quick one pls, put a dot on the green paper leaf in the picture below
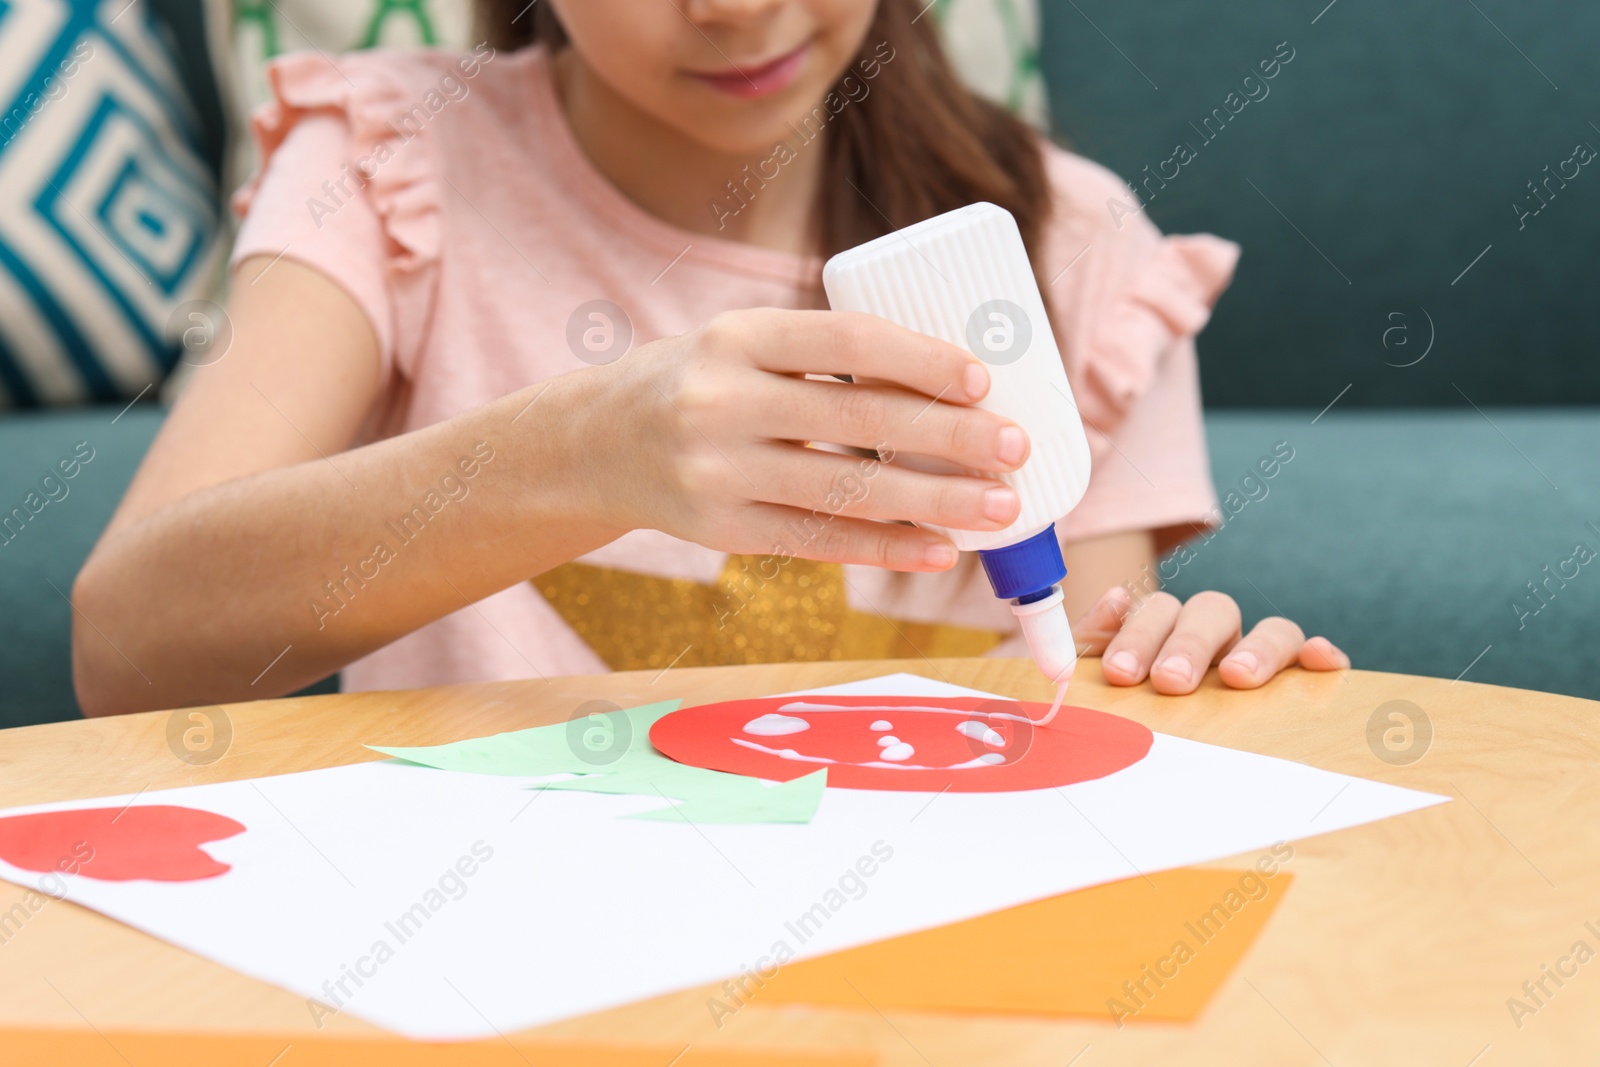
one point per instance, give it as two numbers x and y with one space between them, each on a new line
611 752
793 801
590 745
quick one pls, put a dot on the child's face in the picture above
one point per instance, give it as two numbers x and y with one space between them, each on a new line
730 74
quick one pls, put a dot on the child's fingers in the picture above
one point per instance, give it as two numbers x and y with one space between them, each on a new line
1130 653
826 483
1102 622
853 343
787 531
1208 623
867 416
1271 646
1320 654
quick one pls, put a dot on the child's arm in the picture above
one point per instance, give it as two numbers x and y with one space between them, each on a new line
247 503
202 587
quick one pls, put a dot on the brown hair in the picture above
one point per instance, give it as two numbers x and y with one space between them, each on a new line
919 144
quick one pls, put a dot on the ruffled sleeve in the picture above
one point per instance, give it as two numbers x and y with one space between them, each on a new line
349 185
1126 306
1165 299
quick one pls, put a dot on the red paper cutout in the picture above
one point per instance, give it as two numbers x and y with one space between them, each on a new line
158 842
1081 745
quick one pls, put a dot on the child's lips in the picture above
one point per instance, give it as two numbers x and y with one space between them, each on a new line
762 79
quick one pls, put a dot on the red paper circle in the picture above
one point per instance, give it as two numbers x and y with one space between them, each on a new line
1079 746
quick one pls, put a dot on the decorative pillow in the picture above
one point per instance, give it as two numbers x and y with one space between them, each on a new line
995 46
108 216
993 43
248 34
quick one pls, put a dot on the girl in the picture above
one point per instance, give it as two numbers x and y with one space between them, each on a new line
422 462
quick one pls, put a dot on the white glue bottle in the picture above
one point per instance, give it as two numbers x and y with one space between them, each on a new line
964 277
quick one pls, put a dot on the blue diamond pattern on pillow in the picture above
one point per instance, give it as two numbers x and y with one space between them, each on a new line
108 216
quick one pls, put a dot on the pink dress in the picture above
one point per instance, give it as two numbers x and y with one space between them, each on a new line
481 225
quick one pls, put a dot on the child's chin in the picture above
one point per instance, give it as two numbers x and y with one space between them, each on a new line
753 130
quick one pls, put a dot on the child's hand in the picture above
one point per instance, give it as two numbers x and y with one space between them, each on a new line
702 436
1175 642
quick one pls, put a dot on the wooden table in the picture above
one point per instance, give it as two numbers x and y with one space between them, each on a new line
1400 942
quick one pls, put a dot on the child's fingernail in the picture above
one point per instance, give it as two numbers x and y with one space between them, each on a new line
1124 663
977 380
1000 505
1330 653
1176 668
1013 444
1246 661
941 555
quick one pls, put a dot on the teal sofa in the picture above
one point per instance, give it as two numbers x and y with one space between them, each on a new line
1421 541
1365 180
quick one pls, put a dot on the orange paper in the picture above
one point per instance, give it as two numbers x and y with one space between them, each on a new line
1141 949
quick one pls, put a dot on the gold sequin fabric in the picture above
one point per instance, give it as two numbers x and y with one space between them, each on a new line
757 611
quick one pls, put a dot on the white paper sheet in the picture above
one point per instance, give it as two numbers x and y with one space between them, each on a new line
575 910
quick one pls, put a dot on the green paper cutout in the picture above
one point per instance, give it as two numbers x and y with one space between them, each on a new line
793 801
612 752
582 746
